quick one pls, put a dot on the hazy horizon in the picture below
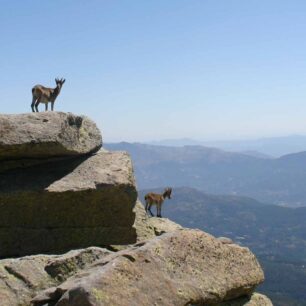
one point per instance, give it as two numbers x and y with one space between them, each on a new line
242 139
161 70
268 147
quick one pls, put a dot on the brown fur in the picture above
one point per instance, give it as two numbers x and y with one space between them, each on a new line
45 95
158 200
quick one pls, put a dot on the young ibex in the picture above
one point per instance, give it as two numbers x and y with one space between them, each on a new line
158 200
45 95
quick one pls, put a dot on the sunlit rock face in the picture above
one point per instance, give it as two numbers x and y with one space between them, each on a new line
51 202
184 267
47 134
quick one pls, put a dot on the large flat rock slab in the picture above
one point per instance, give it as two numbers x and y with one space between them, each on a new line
72 203
47 134
185 267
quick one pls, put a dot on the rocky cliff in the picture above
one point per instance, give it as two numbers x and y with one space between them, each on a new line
59 194
56 191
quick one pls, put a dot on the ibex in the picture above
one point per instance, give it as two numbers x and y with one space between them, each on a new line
158 200
45 95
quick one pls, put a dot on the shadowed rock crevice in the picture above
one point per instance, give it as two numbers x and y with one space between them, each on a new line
39 176
255 299
11 270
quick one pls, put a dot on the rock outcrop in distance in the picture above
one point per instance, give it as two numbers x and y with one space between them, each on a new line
78 207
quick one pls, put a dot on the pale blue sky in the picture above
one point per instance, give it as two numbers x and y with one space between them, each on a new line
156 69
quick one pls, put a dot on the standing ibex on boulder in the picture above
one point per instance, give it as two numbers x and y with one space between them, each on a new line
158 200
45 95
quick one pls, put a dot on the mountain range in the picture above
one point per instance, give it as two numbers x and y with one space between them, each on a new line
270 146
280 181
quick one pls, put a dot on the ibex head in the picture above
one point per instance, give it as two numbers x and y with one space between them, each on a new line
167 193
59 82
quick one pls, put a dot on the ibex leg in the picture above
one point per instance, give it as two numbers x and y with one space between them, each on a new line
33 104
147 205
52 106
36 105
46 106
150 211
158 211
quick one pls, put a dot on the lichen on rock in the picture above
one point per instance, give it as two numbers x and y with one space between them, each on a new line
190 267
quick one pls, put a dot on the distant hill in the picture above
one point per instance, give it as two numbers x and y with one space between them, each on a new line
271 146
279 181
256 154
277 235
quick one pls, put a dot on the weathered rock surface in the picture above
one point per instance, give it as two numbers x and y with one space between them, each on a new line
47 134
185 267
225 240
21 278
149 227
256 299
62 205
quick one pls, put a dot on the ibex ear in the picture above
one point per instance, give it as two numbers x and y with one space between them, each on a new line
56 80
63 81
